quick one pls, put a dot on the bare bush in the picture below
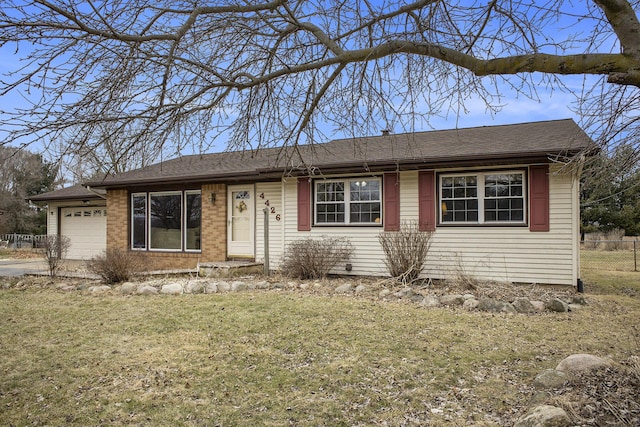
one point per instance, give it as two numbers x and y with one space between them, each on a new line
54 248
314 258
463 277
115 265
612 240
405 251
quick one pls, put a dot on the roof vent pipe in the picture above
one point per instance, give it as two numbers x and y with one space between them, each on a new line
385 132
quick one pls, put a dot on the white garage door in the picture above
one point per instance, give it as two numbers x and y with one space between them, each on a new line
86 228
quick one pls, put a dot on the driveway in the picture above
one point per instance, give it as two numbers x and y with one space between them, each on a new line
20 267
38 266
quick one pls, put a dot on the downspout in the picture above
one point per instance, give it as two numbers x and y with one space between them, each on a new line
576 238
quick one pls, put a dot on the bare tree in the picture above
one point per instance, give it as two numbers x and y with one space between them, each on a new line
23 174
168 74
111 153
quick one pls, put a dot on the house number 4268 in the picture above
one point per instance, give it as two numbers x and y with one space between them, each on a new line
272 209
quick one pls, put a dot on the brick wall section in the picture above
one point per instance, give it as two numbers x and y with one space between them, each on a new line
214 234
117 219
214 223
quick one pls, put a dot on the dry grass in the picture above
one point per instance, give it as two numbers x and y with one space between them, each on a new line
281 357
19 253
621 260
610 273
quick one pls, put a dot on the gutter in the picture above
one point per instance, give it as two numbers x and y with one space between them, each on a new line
345 167
102 196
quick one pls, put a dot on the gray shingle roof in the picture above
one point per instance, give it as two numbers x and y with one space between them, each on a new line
75 192
537 141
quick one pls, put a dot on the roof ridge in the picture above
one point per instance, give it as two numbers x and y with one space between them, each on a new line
451 129
493 143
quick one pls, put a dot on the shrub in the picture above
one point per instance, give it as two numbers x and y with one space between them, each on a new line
614 240
405 251
115 265
314 258
54 248
611 240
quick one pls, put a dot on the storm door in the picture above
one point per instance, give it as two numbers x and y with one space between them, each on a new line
240 222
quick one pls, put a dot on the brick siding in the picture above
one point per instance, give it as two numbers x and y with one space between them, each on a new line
117 219
213 234
214 223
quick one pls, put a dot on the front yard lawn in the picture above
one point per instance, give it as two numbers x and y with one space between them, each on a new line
284 358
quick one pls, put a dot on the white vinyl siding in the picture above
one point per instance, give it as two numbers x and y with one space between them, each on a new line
512 254
367 258
269 193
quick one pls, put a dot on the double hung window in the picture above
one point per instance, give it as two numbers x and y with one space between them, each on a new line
167 221
348 201
483 198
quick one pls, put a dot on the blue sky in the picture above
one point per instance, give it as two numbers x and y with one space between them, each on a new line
516 108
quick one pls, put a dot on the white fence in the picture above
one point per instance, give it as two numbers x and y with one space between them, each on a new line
20 241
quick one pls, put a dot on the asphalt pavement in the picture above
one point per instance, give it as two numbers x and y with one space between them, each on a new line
20 267
15 267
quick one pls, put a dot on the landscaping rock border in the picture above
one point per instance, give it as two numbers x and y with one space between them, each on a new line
489 297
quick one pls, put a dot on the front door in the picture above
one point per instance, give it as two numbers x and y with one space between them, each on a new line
241 220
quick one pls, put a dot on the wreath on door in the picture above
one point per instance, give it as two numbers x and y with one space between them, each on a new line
242 206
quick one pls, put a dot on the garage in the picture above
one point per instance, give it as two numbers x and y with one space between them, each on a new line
86 227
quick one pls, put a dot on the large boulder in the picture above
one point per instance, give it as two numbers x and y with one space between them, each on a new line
347 288
128 288
537 305
544 416
430 301
224 287
147 290
238 286
99 289
523 305
405 292
495 306
581 362
452 300
263 284
556 305
172 289
194 287
360 289
550 379
470 304
210 288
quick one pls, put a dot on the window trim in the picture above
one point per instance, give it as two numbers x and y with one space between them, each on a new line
347 202
185 220
147 223
144 227
480 175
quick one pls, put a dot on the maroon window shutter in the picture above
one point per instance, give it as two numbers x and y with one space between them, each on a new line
539 198
304 204
391 201
427 200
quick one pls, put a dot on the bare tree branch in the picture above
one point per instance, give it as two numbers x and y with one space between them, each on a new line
168 75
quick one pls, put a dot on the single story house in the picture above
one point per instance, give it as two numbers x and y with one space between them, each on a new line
81 215
498 200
